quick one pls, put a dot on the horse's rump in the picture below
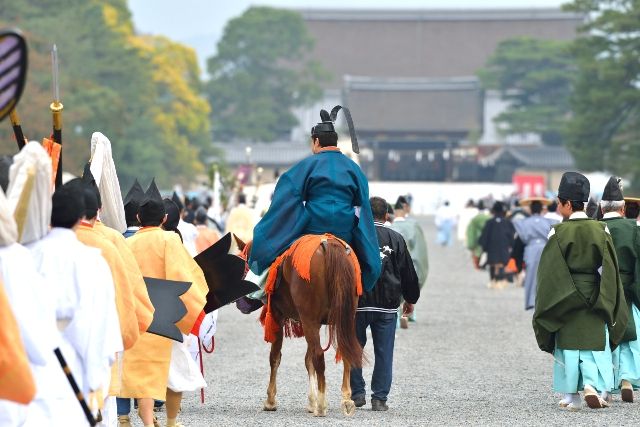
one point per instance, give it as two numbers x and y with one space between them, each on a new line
343 282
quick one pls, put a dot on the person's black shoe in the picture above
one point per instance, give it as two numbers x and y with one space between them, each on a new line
359 401
379 405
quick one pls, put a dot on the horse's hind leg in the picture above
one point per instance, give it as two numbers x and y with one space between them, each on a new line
274 361
348 407
312 398
312 336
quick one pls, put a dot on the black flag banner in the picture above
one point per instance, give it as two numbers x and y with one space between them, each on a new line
224 273
169 308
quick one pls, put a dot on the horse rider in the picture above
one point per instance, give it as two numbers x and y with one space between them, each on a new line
324 193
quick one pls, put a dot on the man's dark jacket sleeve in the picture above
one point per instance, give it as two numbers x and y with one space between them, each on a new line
409 277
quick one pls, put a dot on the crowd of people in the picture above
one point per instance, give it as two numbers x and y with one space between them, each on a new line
79 263
581 265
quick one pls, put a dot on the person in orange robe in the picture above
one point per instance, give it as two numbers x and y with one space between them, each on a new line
206 236
160 254
16 381
125 300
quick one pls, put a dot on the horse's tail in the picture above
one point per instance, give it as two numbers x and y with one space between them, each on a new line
340 277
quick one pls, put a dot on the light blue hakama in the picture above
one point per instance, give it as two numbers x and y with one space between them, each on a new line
573 369
626 358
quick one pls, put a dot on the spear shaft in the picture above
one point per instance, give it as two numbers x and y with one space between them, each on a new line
56 111
74 386
17 128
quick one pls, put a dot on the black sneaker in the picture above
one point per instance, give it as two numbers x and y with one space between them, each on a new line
379 405
359 401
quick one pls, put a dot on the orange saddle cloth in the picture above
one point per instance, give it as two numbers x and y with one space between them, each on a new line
300 252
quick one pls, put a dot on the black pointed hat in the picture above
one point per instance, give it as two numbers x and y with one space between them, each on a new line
613 190
574 187
169 308
224 273
135 194
132 204
92 199
326 126
177 201
151 206
152 194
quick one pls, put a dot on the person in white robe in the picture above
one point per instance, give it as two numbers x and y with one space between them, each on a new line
103 170
85 313
28 297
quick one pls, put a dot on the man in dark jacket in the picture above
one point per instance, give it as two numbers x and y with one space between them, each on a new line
497 239
378 308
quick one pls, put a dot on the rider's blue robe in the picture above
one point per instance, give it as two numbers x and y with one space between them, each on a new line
324 193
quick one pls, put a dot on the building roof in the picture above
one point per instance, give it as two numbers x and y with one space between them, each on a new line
423 43
414 105
272 154
536 157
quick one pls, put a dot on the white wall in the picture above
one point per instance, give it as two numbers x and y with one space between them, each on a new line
427 196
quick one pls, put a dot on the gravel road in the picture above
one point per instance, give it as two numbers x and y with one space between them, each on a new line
470 359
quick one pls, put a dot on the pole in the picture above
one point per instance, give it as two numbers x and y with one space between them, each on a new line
74 386
56 111
17 128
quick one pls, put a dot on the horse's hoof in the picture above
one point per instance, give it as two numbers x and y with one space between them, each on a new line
270 406
320 412
348 408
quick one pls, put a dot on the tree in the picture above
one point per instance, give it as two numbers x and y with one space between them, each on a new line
535 76
142 92
604 131
259 74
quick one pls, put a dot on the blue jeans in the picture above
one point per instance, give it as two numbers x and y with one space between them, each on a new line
124 405
383 330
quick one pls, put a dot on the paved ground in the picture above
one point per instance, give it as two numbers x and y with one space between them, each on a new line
470 359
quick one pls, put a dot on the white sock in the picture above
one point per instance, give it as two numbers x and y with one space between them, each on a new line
575 399
568 398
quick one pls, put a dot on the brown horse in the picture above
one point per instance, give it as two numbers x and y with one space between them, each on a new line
328 298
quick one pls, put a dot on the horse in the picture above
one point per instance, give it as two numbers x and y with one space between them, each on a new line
328 296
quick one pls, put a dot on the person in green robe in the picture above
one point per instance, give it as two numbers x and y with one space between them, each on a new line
474 231
580 310
626 240
413 235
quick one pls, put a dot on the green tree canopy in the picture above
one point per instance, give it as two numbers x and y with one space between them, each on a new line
142 92
604 132
535 76
259 74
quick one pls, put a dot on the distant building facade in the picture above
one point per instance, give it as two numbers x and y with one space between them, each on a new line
409 78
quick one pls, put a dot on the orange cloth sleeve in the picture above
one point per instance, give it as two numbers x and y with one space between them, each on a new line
125 300
16 380
144 309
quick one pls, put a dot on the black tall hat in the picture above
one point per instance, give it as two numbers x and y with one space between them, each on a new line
326 126
151 206
135 194
613 190
177 201
152 194
169 308
132 203
575 187
93 200
224 273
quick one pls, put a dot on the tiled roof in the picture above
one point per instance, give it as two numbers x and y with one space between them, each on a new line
415 105
277 154
537 157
